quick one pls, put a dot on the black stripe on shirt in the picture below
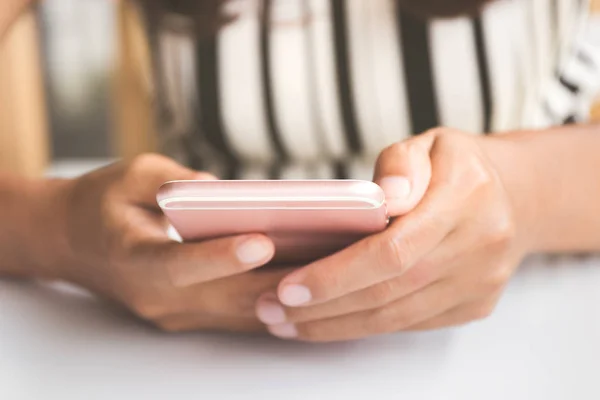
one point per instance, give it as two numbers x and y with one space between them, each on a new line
558 116
570 120
341 170
570 86
342 59
211 121
484 73
275 170
420 85
265 51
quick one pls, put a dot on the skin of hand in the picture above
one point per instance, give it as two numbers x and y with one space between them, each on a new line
112 238
462 226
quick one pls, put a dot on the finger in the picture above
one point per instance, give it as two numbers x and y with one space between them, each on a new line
443 262
186 264
271 312
235 296
403 171
458 316
453 318
206 322
409 311
376 259
147 173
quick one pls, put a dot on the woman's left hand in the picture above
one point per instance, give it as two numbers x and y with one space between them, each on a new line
444 260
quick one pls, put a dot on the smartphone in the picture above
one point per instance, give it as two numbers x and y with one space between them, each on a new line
306 220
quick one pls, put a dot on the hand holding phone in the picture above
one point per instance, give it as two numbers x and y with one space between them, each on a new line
306 220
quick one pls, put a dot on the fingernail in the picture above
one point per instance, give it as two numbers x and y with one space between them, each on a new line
396 187
284 331
270 312
254 251
295 295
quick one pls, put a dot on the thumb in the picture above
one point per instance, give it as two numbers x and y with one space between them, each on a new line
403 171
147 173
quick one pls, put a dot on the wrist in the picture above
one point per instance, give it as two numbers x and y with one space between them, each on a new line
46 228
552 177
522 181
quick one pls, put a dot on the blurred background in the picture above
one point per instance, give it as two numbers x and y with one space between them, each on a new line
78 44
82 45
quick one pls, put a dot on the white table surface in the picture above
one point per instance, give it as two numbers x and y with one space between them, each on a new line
542 343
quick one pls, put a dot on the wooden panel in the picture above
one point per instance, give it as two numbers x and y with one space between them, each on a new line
133 113
23 121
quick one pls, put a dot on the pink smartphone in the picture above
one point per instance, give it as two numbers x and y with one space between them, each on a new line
307 220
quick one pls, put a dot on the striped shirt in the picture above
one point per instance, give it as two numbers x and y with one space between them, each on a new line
317 88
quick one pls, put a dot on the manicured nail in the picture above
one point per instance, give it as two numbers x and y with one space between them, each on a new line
284 331
396 187
253 251
270 312
295 295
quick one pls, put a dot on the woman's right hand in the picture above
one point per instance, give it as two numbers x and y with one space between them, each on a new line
117 244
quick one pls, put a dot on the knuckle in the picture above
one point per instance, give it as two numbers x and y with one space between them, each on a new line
139 167
148 309
483 311
394 151
144 161
394 253
499 278
381 294
402 315
469 169
399 150
501 234
379 321
420 275
472 176
477 172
